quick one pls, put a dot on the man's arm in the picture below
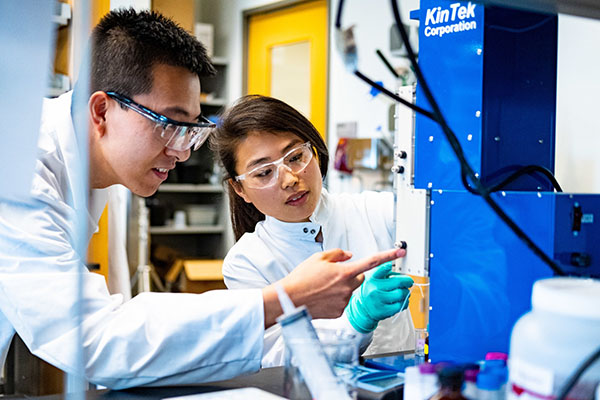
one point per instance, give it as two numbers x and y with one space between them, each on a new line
323 283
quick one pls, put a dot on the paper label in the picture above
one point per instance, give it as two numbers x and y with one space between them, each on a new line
529 380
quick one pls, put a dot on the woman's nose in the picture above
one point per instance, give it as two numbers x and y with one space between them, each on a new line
287 176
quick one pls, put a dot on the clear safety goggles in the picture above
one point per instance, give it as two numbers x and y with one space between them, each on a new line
266 175
176 135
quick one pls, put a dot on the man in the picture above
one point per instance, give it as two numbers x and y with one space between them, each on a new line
144 117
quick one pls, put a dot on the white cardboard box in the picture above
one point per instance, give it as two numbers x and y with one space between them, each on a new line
205 34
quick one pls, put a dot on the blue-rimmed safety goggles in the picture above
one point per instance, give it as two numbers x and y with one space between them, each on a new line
177 135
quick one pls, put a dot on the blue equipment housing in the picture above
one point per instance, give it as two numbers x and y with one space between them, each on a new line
493 73
495 82
481 274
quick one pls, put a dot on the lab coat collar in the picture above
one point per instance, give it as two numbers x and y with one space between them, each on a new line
294 230
322 213
303 230
68 142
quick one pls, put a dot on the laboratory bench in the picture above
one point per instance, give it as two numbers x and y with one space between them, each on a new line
268 379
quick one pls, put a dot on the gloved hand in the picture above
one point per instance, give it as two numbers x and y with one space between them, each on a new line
380 296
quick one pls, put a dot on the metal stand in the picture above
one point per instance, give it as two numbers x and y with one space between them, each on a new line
145 272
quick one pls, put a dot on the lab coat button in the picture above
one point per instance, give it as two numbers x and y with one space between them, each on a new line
312 231
305 230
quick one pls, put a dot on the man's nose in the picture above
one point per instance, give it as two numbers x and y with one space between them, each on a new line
180 155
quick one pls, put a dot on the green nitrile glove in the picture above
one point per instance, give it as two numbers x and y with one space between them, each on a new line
380 296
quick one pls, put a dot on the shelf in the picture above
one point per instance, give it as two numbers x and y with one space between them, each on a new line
188 230
219 61
55 92
189 188
60 21
214 102
63 14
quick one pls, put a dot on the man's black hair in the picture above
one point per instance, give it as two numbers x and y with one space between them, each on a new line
126 44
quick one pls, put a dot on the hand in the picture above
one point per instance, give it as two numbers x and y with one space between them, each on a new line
323 283
382 295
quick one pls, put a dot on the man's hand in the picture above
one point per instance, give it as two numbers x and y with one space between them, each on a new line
324 284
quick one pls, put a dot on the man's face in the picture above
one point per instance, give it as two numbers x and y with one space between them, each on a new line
132 152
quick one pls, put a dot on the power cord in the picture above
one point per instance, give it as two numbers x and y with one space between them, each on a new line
467 172
527 170
572 380
456 147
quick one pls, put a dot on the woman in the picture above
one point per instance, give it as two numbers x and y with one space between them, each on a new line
275 161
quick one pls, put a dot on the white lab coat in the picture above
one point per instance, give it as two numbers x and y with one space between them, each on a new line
361 223
153 339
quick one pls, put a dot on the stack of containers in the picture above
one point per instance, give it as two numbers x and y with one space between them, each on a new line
492 379
470 389
420 382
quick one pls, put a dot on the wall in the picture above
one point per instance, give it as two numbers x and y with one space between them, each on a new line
181 11
577 167
373 20
578 125
227 18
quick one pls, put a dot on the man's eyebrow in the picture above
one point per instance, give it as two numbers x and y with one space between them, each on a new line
267 159
176 110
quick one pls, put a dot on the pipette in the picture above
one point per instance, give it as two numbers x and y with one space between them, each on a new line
302 341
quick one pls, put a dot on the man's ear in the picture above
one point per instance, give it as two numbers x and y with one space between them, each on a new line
239 190
98 106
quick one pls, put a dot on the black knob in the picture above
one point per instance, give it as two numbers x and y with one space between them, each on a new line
403 154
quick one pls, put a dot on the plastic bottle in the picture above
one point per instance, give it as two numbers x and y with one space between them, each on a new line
470 388
451 382
554 338
412 383
496 363
490 385
429 380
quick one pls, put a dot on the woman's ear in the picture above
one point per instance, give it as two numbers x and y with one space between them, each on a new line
239 190
98 106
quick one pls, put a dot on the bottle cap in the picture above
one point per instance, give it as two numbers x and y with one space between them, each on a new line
497 367
493 364
496 355
471 375
576 297
489 381
427 368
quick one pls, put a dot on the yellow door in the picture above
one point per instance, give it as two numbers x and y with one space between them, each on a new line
287 57
98 246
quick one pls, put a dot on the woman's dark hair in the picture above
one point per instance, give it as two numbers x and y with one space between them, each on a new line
127 44
258 114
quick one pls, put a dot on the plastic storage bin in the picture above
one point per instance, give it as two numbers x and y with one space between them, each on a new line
554 338
201 214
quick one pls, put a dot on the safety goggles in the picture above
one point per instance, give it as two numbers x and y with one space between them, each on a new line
266 175
176 135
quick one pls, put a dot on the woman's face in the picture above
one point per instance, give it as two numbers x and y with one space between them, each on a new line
294 196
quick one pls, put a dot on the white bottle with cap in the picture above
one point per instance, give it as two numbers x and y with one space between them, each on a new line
549 342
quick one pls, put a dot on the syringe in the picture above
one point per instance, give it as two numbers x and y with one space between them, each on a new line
302 341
